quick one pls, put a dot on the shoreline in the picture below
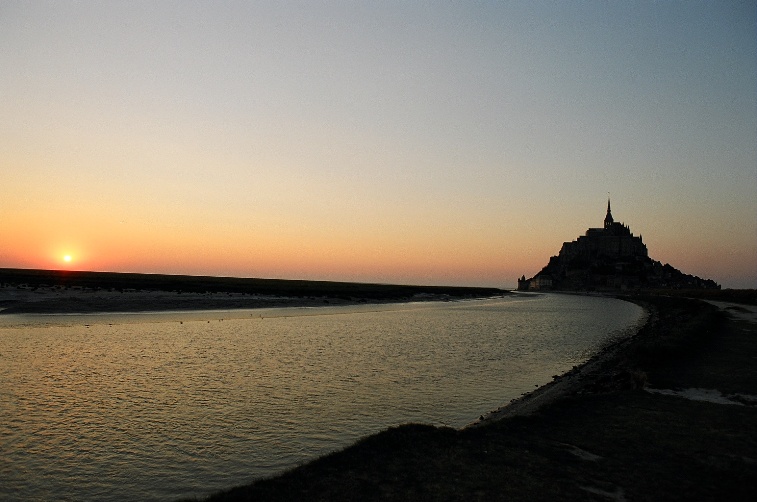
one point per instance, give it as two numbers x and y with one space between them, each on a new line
611 428
585 377
575 381
53 300
64 291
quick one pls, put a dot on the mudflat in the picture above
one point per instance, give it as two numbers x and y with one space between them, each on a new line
670 414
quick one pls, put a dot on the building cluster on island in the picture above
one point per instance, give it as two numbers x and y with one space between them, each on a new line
609 258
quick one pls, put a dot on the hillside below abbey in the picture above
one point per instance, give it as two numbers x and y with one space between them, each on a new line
609 258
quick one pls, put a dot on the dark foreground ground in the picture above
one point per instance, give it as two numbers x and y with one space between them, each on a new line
607 437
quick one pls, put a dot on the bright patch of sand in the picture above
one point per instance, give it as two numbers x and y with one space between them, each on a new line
738 310
707 395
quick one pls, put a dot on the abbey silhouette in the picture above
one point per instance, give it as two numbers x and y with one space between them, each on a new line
608 258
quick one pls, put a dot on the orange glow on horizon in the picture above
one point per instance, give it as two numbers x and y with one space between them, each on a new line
468 252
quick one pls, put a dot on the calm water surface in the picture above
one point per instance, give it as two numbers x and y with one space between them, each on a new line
169 405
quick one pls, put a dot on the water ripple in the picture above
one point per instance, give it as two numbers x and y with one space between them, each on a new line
168 406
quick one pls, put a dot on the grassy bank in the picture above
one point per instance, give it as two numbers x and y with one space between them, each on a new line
203 284
59 291
606 439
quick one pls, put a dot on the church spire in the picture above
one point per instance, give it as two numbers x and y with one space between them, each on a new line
608 219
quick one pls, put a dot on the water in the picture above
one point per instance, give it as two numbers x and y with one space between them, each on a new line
170 405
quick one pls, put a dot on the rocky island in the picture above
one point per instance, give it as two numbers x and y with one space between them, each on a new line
610 258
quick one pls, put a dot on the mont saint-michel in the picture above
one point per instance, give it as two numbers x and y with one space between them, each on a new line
609 258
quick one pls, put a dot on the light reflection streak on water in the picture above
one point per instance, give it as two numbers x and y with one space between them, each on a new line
167 405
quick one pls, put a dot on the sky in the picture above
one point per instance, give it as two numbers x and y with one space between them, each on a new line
450 143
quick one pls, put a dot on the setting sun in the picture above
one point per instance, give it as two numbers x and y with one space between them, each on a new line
67 258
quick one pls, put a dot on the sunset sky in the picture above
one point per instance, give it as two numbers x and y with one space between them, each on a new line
402 142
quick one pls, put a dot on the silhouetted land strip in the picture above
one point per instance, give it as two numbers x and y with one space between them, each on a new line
746 296
603 438
59 291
